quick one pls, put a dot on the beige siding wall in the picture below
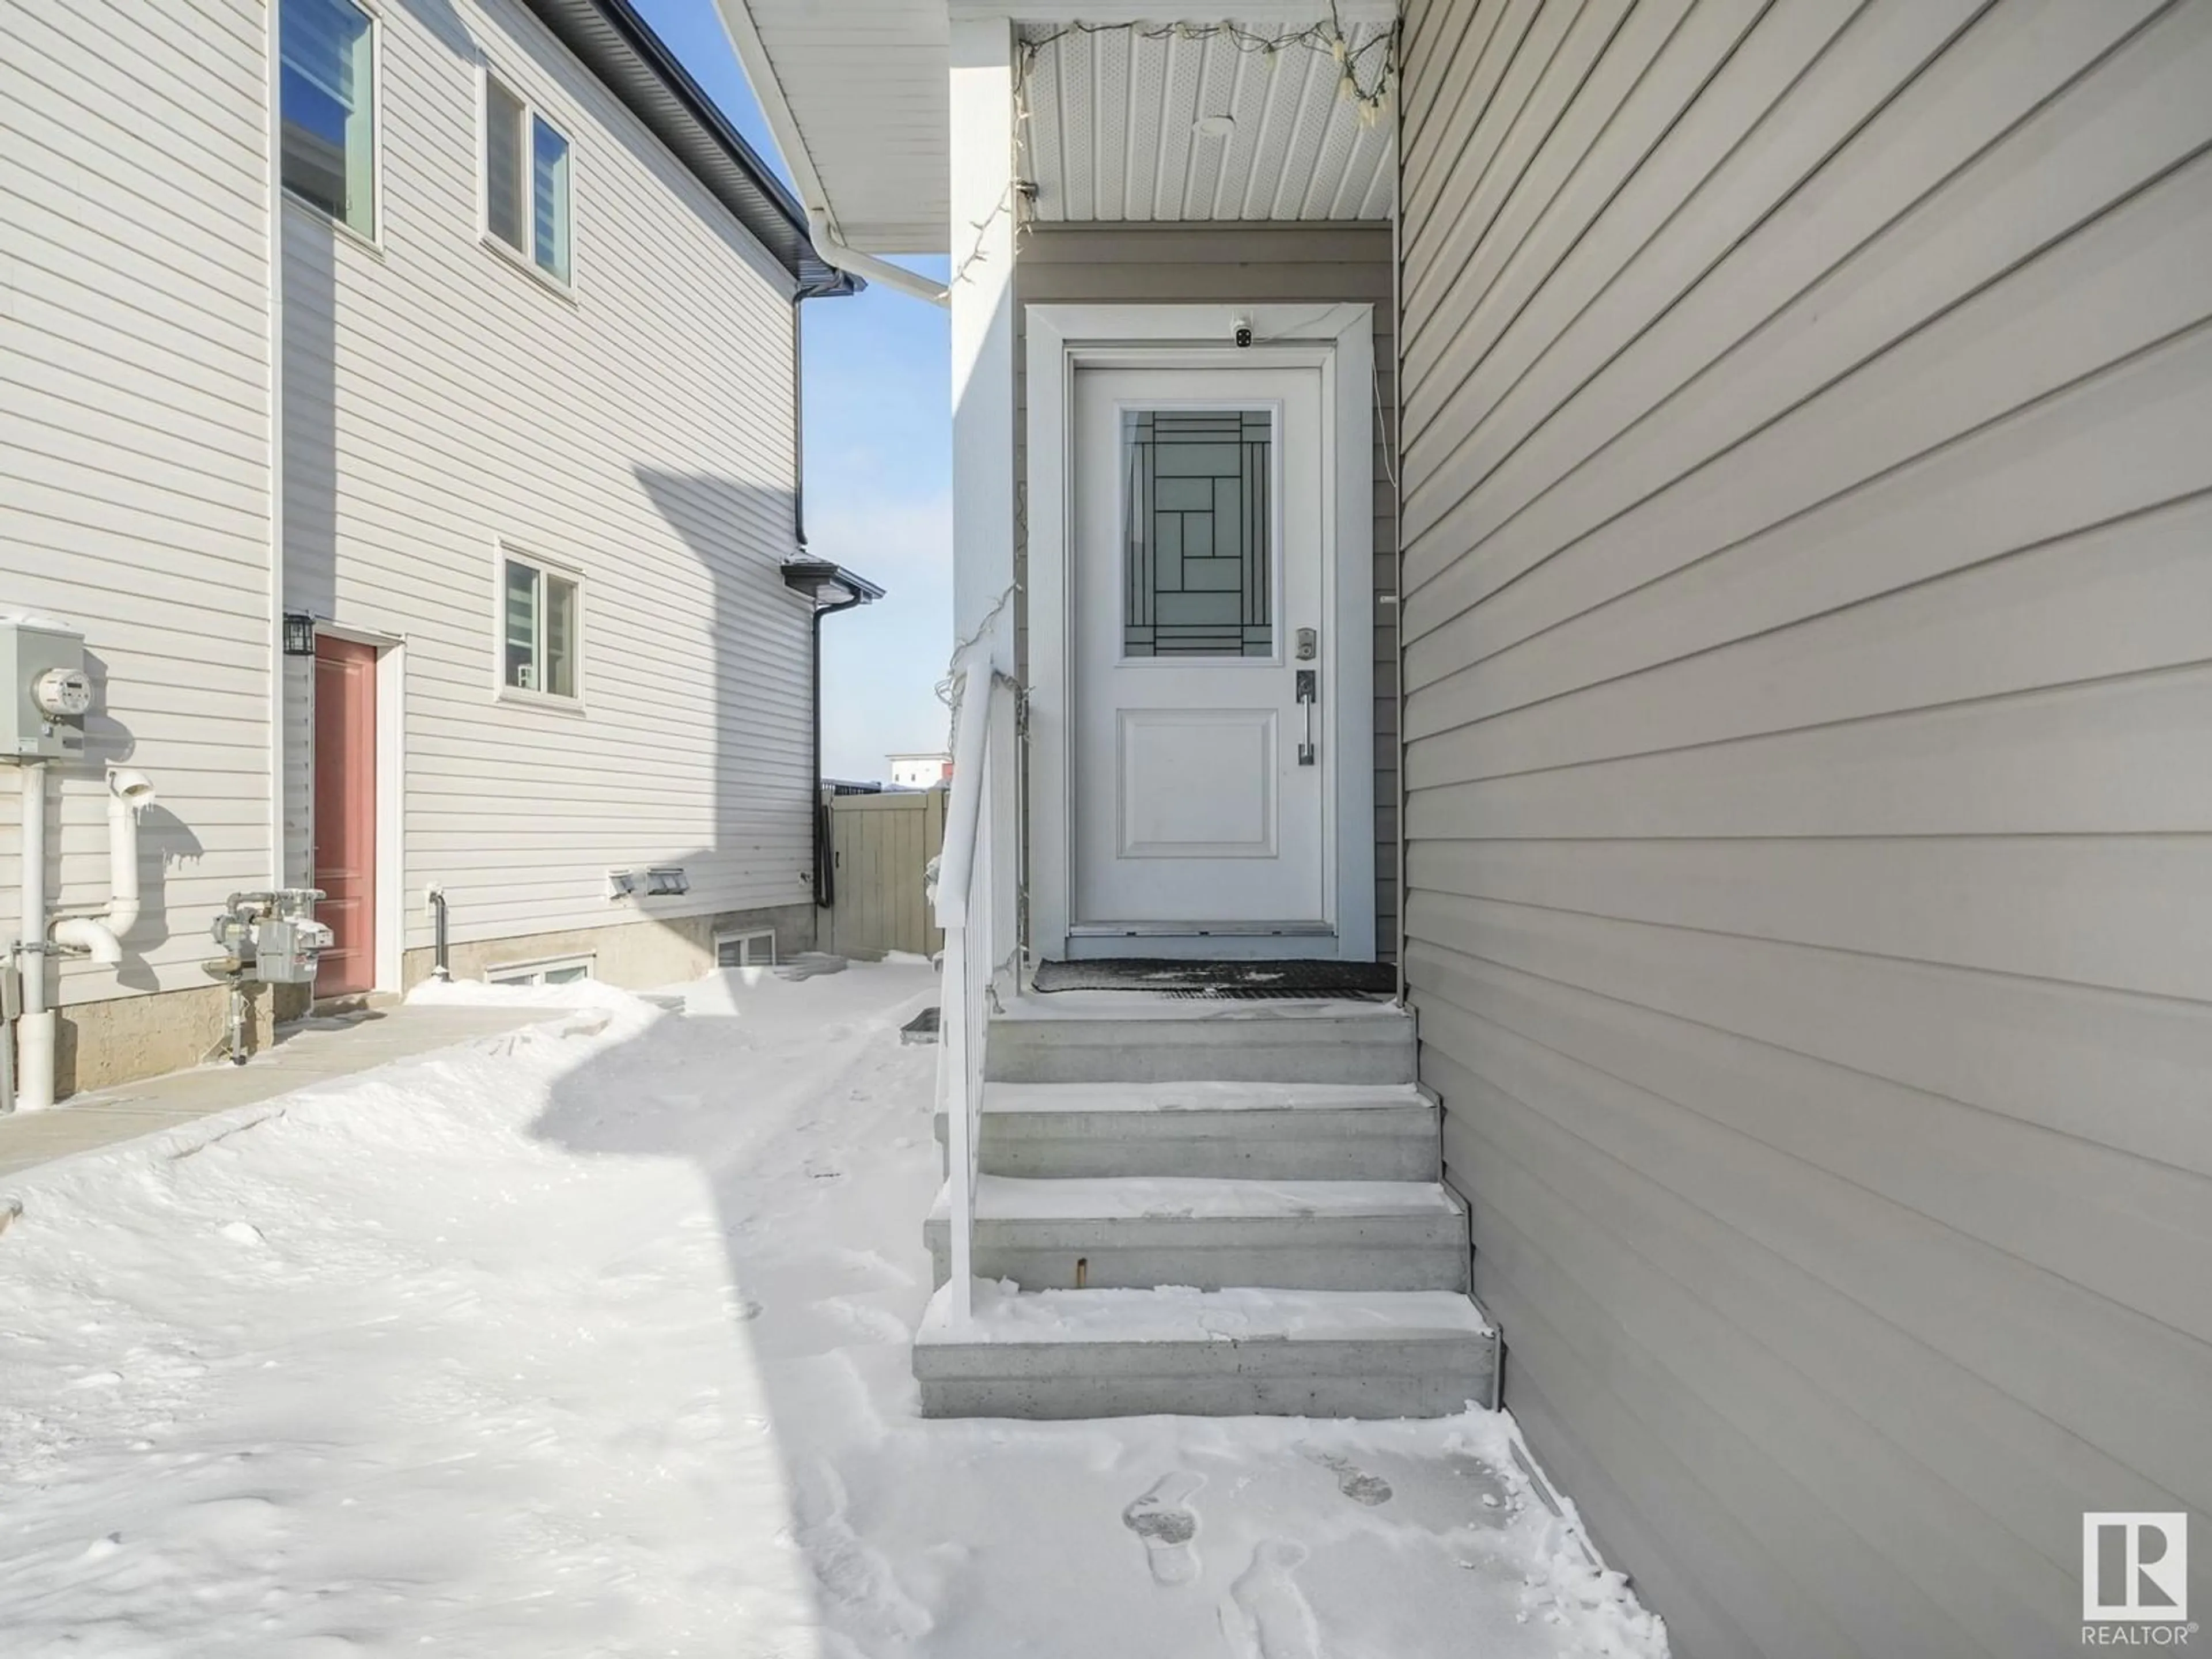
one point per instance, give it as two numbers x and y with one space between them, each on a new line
1808 423
135 444
439 399
1258 265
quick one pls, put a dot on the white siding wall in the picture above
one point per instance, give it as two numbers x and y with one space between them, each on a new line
437 399
134 440
1808 427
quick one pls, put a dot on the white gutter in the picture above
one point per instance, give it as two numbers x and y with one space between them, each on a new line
752 54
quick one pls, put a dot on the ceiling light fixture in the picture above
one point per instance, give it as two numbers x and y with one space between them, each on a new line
1214 127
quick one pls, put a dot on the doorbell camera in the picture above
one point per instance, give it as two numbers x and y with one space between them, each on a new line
1242 334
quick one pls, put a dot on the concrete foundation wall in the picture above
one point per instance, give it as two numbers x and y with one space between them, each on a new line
102 1044
634 956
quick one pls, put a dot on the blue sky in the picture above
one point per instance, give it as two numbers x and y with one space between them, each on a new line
879 465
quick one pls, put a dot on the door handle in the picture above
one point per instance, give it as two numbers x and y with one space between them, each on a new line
1309 694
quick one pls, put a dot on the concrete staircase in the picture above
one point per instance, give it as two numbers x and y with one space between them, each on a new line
1219 1208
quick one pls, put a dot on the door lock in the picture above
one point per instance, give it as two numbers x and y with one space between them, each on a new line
1308 695
1309 644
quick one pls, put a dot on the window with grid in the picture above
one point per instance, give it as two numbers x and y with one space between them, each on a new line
1197 523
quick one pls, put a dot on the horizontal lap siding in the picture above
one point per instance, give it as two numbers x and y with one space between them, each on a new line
134 442
1808 487
439 399
1255 265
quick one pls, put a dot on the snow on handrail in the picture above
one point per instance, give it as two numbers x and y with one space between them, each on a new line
971 709
967 910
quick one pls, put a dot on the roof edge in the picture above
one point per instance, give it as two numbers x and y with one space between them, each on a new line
633 63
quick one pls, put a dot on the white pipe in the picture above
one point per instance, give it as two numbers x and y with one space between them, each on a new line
93 936
821 228
34 1030
101 936
129 793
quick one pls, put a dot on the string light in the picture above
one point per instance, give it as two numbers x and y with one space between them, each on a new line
1365 71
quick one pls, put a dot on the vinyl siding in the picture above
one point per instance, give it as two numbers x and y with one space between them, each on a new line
1808 483
135 443
439 400
1118 265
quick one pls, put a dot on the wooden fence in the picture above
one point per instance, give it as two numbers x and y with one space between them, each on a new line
879 846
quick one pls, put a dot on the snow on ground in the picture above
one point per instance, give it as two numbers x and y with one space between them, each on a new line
592 1339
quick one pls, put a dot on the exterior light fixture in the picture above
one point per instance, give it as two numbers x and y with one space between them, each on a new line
299 633
1214 127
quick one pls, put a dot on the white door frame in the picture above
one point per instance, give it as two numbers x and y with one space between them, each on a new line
1340 341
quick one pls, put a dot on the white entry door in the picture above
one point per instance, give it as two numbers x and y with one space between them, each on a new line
1201 775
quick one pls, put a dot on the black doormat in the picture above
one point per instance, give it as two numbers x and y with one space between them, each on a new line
1165 976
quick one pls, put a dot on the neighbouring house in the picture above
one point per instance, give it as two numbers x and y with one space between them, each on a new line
919 771
401 401
1686 525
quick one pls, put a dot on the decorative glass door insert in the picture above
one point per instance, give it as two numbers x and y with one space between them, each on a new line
1198 513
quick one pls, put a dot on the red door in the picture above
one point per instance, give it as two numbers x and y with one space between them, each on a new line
345 813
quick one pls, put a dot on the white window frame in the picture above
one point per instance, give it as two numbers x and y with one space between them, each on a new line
746 939
532 972
373 237
523 257
506 552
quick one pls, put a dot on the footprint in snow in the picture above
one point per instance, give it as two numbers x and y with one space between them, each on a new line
1267 1615
1164 1519
1354 1482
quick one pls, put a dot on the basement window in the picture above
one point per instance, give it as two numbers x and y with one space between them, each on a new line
753 950
557 970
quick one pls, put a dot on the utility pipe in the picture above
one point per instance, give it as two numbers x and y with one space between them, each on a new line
820 228
34 1030
442 969
101 937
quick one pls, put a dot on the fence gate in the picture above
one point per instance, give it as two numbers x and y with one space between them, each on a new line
879 847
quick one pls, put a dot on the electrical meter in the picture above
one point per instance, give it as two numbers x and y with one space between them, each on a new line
45 693
64 693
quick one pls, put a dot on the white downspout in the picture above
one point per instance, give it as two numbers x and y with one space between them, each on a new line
752 54
34 1030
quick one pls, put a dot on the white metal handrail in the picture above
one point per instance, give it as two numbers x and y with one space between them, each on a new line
967 910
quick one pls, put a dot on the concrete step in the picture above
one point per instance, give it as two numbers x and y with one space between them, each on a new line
1223 1353
1250 1130
1141 1233
1123 1038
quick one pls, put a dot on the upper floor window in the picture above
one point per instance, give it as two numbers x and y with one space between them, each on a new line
526 181
541 624
329 108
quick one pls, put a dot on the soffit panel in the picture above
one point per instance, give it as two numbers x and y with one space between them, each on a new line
1110 129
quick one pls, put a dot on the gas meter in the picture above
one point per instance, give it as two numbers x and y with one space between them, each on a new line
287 948
274 935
